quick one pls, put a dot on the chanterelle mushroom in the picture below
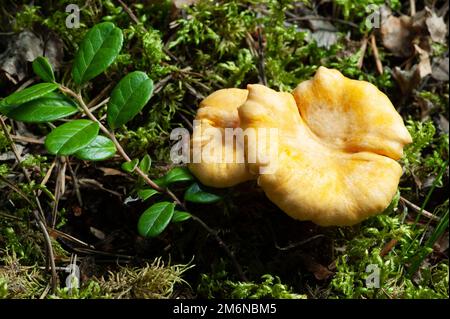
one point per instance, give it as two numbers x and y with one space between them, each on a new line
338 142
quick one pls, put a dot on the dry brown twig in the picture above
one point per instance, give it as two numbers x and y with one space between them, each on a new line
419 210
376 55
363 52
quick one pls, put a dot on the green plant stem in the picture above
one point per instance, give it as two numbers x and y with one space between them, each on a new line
151 183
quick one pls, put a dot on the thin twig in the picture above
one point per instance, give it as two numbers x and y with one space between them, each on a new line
301 243
362 51
376 55
47 240
76 186
38 215
47 176
420 211
99 105
412 7
100 96
27 139
295 18
129 12
19 160
224 246
262 71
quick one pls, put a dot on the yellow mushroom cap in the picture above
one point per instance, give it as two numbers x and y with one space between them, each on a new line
338 142
219 111
352 115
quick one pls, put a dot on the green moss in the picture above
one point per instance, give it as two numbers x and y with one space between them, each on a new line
368 248
428 152
218 285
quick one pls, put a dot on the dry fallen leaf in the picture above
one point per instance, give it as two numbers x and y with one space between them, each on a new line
440 69
23 48
424 66
397 35
436 27
107 171
443 124
323 32
407 80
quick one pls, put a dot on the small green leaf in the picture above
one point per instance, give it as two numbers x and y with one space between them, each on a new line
196 195
130 166
28 94
71 137
99 149
43 69
50 107
128 98
179 216
178 174
97 51
146 193
155 219
161 182
145 164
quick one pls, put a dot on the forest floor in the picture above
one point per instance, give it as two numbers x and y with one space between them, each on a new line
190 49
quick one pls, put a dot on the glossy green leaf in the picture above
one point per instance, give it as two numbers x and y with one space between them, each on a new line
97 51
28 94
196 195
43 69
180 216
128 98
130 166
160 182
146 193
155 219
178 174
145 163
99 149
47 108
70 137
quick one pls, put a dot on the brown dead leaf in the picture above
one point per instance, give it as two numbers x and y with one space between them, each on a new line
443 124
424 66
442 243
407 80
323 32
440 69
107 171
397 35
436 27
23 48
